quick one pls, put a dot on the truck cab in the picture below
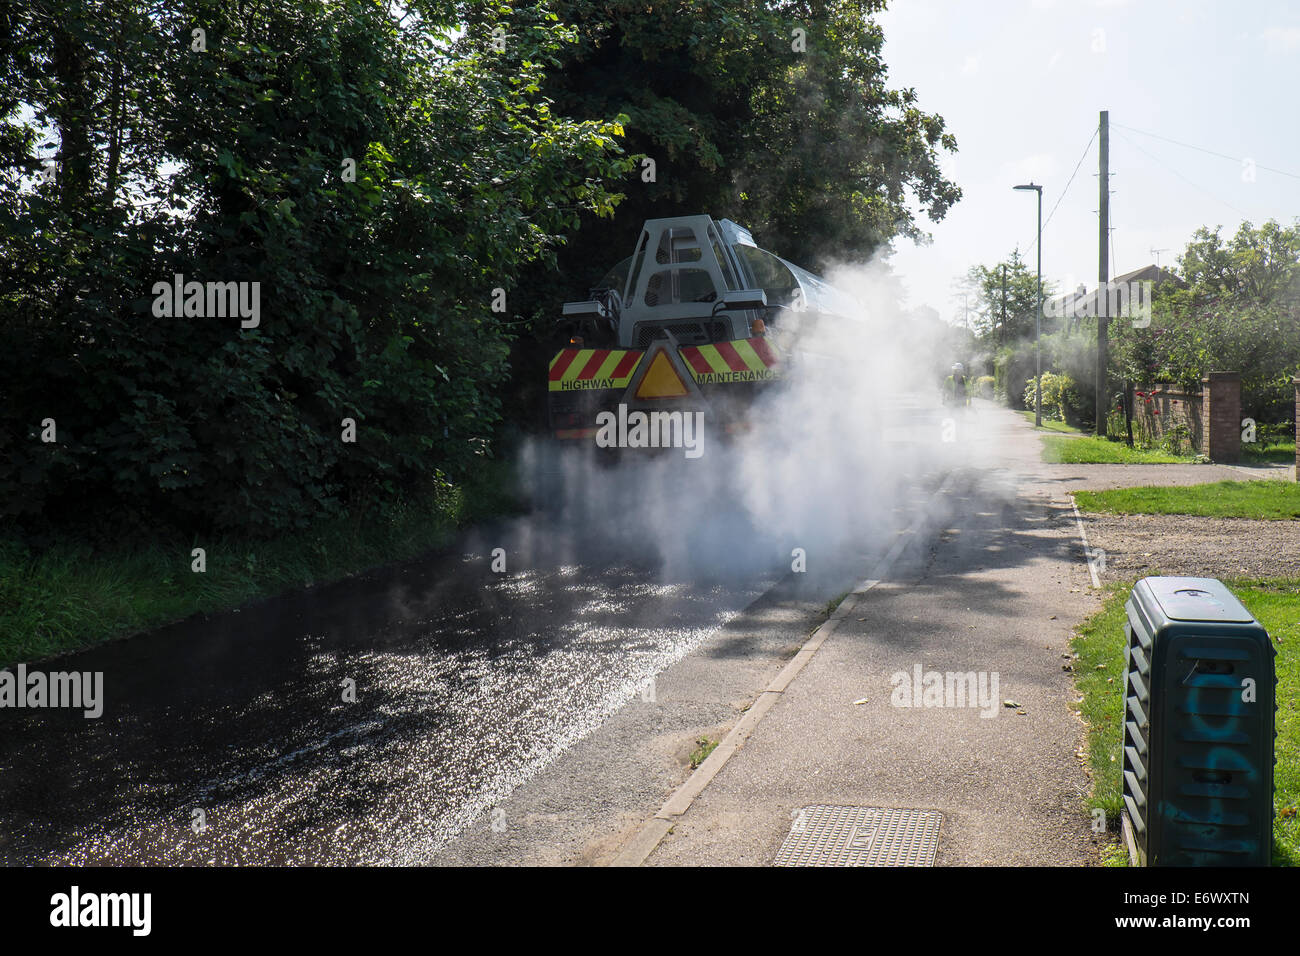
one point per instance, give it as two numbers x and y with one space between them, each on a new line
679 279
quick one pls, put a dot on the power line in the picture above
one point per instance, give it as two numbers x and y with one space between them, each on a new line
1082 157
1202 149
1243 214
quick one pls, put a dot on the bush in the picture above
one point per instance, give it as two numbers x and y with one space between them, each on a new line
984 386
1013 367
1059 397
1117 427
1279 434
1177 440
1075 357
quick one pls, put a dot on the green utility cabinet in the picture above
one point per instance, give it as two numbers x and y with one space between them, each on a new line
1199 701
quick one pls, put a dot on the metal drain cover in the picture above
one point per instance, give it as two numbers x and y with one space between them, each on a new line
861 836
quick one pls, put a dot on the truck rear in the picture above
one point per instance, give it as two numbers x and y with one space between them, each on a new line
697 321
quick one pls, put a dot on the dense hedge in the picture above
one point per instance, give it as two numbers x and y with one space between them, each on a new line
377 189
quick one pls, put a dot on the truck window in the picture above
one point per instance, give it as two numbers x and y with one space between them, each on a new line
773 277
675 286
638 260
724 262
616 278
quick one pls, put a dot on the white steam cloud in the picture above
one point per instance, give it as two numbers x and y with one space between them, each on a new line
833 453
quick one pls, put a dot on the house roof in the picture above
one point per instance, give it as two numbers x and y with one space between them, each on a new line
1151 273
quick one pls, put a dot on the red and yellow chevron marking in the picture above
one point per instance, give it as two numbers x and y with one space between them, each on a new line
573 369
744 360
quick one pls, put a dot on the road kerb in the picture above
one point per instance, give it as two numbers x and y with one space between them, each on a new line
1087 552
643 843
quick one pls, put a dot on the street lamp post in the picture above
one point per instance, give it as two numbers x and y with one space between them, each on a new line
1038 312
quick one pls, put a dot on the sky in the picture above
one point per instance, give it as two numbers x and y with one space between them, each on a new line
1020 84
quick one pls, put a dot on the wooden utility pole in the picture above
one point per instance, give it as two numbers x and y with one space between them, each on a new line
1103 271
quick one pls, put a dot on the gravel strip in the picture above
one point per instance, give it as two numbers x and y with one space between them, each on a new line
1098 477
1140 545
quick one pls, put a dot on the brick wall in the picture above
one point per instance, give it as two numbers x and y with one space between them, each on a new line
1221 416
1160 408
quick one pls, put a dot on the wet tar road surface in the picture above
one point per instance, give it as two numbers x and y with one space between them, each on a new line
369 721
230 741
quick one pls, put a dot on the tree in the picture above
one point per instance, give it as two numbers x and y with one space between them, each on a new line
1256 265
776 114
378 179
1239 311
984 284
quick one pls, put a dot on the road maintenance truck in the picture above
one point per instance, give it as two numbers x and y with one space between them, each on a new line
697 319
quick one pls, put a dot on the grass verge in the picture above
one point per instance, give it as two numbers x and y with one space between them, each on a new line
1264 499
69 596
1099 677
1091 450
1279 453
1053 426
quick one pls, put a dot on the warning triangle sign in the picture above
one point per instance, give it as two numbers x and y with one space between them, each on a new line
661 376
661 379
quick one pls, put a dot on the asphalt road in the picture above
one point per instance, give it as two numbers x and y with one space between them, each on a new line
465 683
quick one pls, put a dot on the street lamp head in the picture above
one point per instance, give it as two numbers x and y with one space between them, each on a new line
1029 186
